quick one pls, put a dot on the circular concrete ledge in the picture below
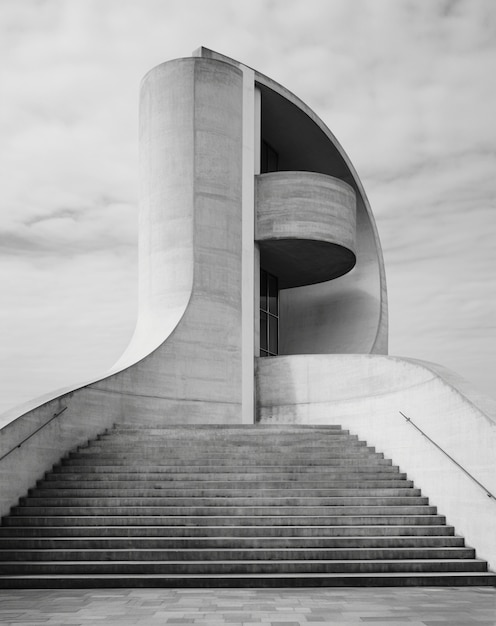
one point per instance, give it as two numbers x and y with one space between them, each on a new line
305 226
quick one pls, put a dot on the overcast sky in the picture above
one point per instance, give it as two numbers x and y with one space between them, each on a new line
408 88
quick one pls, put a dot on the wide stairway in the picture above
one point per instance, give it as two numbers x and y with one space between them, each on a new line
245 506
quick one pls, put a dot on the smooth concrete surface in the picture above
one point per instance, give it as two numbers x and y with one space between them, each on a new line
305 226
251 607
365 394
250 166
200 362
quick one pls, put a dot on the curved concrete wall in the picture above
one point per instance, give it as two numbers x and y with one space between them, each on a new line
184 363
192 183
305 225
365 393
166 215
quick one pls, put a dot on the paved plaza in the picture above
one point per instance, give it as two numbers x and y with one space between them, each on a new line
251 607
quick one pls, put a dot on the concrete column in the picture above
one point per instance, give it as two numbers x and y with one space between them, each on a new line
191 247
251 133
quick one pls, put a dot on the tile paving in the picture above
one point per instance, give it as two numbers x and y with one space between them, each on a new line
451 606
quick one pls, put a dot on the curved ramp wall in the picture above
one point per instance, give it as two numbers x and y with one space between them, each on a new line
364 393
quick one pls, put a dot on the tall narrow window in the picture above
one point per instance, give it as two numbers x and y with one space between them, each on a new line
269 314
269 159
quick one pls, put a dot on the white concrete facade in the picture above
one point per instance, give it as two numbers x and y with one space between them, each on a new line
211 217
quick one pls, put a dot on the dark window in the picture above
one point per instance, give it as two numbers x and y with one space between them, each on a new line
269 314
269 159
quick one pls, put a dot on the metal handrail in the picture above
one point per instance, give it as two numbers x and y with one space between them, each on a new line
488 493
33 433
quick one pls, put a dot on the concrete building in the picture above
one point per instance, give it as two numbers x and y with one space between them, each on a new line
263 301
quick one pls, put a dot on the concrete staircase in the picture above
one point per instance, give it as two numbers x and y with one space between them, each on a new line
227 506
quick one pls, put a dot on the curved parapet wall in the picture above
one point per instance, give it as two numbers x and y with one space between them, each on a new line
305 226
364 393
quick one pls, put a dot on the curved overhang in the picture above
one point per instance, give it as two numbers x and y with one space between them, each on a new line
305 227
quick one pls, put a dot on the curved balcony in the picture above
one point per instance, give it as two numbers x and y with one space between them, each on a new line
305 226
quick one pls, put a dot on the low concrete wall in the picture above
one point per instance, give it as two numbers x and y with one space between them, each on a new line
364 393
83 414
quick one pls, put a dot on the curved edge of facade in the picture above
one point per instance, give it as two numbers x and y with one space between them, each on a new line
380 342
365 393
377 342
358 300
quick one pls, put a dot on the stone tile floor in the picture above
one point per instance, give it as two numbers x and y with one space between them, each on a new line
251 607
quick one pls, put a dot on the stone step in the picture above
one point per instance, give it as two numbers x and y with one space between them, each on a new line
216 430
244 501
142 519
321 445
243 437
242 567
237 554
75 491
159 542
239 531
277 466
366 472
229 505
227 457
160 482
224 510
286 580
262 443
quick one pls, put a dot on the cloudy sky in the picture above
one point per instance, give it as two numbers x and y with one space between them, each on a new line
407 86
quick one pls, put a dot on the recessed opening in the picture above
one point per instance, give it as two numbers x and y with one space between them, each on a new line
269 314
